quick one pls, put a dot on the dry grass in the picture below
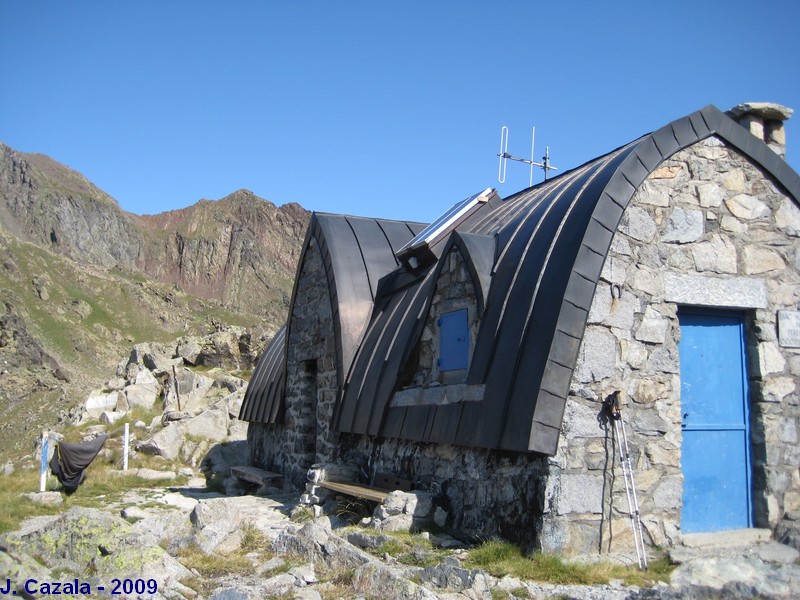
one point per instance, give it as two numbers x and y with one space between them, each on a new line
101 487
412 549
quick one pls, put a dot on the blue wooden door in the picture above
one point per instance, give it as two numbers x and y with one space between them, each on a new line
715 454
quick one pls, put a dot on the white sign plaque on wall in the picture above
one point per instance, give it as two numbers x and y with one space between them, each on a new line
789 328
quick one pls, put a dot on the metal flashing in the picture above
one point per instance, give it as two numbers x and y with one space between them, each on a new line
571 319
648 154
597 237
683 131
543 438
608 212
549 409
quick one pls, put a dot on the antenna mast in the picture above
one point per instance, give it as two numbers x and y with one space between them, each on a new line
504 156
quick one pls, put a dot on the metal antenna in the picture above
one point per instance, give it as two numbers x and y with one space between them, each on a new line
504 156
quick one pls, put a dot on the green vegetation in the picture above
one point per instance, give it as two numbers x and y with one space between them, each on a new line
303 514
353 509
101 487
13 507
412 549
502 558
238 562
337 584
214 565
87 320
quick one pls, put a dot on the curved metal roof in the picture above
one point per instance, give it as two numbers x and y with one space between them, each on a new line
356 253
550 242
263 399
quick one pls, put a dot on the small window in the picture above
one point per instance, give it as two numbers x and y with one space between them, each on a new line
453 341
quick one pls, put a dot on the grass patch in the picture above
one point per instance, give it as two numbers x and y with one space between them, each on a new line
302 514
99 488
502 558
14 508
353 509
505 595
335 584
410 549
253 539
214 565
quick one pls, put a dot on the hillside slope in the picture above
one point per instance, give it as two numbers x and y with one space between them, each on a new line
81 280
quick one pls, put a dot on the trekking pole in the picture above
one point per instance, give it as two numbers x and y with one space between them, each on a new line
614 410
643 560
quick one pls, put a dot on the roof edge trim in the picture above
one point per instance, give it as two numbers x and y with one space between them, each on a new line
650 151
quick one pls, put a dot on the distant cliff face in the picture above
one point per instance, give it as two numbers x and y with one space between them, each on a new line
48 204
241 250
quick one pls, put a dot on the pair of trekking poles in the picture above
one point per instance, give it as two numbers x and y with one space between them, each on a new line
612 406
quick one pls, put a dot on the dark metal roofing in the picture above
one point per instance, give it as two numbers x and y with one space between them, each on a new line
551 242
356 253
263 399
535 260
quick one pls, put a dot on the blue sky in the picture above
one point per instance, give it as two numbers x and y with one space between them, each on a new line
386 109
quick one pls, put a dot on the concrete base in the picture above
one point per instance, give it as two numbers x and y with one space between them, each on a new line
726 539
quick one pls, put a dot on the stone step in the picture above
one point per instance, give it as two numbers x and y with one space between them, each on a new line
727 539
255 475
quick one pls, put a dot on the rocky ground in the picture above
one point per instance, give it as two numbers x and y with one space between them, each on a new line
172 535
177 521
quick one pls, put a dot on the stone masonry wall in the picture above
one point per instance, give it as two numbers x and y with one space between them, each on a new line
305 437
484 493
706 228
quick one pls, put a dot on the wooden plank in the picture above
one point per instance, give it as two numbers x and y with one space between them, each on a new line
359 491
254 474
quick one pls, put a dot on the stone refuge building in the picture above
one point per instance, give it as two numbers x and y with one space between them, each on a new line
474 360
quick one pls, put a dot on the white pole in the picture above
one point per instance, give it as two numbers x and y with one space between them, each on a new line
125 444
43 471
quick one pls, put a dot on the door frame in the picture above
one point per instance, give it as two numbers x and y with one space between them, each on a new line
742 317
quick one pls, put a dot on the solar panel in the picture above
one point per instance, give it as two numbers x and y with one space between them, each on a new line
442 226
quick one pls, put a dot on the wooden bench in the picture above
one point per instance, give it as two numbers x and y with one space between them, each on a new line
383 485
255 475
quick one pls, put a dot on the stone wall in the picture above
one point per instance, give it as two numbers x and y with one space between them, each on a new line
485 493
305 437
481 492
454 291
424 382
706 228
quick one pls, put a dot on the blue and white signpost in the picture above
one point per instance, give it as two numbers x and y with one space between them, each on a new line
43 472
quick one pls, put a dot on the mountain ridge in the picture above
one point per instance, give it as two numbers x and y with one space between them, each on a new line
239 250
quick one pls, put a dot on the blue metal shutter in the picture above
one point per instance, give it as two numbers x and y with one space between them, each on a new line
453 340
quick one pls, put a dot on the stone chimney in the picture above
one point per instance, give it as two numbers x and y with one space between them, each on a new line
765 121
